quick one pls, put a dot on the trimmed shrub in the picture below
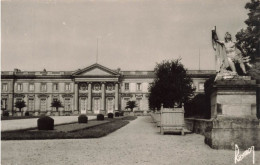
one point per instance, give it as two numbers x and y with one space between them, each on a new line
83 119
26 113
110 115
45 123
100 117
197 107
117 114
6 113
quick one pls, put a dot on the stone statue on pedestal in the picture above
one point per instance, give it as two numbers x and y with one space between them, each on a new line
227 54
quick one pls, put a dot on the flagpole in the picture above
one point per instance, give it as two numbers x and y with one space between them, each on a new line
199 58
97 52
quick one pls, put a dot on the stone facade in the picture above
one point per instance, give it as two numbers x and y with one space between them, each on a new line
92 90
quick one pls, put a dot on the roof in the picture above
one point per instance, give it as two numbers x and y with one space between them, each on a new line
70 74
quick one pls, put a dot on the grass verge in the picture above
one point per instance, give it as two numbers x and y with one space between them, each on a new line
93 132
17 117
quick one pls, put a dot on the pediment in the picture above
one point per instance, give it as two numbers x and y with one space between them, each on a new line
96 70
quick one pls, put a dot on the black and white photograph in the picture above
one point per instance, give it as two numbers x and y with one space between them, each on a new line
130 82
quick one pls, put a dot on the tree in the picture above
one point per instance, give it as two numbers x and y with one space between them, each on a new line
56 103
20 104
249 39
171 86
200 106
131 105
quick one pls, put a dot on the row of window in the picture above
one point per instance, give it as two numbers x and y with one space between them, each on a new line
43 104
96 87
43 87
138 86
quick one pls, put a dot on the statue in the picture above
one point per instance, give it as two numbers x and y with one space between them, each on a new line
227 54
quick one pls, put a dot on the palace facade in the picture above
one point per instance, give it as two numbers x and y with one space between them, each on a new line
92 90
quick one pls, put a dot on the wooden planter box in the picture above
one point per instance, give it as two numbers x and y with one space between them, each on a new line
138 113
55 113
67 113
18 113
172 120
36 113
48 113
127 113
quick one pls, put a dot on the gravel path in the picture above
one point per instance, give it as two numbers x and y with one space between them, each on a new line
10 125
137 143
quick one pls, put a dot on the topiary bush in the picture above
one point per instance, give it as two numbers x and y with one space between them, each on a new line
110 115
117 114
45 123
100 117
27 113
83 119
6 113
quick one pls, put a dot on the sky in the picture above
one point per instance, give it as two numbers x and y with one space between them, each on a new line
132 34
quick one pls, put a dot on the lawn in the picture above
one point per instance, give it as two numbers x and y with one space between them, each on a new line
17 117
97 131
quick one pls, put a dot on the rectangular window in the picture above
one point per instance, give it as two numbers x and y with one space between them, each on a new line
43 87
31 104
125 102
126 86
138 102
55 87
139 87
4 87
67 104
43 105
19 87
67 87
201 86
31 87
4 104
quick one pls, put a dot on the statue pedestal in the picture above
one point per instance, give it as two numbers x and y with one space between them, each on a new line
233 113
234 98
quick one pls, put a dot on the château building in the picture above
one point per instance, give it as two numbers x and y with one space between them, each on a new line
92 90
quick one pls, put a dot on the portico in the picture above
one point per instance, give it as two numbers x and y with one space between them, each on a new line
97 90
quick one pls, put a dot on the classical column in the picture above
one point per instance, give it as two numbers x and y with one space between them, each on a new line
103 97
76 97
89 97
116 97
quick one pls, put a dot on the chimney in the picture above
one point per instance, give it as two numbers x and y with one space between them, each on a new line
16 70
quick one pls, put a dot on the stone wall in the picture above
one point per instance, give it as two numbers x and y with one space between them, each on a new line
199 126
225 132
